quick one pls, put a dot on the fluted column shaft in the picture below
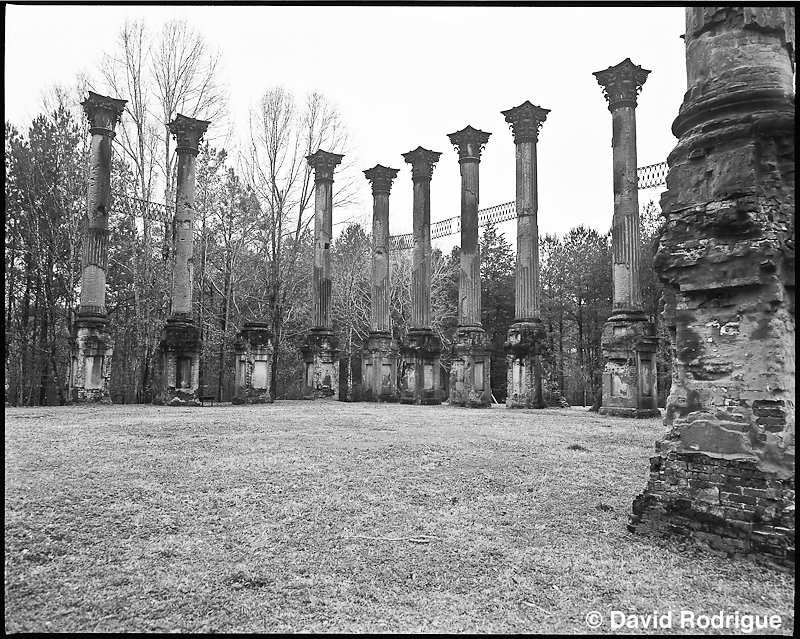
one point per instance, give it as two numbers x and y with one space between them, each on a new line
526 306
381 178
380 262
625 227
421 254
323 232
323 164
187 132
621 85
103 114
469 306
184 233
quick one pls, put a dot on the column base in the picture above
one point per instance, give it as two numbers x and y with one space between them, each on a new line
420 368
253 352
470 383
321 360
379 367
180 363
629 345
524 348
732 504
91 351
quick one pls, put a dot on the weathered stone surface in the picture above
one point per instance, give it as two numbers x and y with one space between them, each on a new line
419 354
319 350
91 349
90 343
628 340
525 347
420 368
253 352
526 336
379 366
180 349
321 361
727 260
471 368
188 133
470 372
180 339
380 360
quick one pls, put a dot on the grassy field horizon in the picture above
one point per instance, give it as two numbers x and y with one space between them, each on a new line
334 517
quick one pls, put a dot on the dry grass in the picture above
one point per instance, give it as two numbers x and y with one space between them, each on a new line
325 516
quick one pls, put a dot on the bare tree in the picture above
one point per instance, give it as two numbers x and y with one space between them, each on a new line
281 136
185 73
158 76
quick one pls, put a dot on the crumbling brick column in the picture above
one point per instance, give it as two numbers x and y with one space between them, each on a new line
629 340
526 341
320 355
470 383
724 473
180 339
253 351
419 353
91 346
381 353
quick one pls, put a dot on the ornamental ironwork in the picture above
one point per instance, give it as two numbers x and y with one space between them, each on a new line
650 176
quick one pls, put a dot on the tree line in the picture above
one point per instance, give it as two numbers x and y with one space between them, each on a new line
253 239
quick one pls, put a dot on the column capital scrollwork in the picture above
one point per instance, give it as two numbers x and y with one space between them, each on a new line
526 121
103 112
381 178
422 162
469 143
621 83
188 133
323 163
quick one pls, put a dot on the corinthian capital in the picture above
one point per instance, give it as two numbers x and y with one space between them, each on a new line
381 178
323 163
187 132
621 83
469 143
526 121
422 162
103 112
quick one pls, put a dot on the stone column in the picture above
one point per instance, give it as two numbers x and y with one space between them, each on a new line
629 339
180 339
253 351
470 373
320 356
724 473
90 343
419 353
526 343
381 354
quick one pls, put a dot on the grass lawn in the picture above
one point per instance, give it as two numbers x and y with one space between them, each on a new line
325 517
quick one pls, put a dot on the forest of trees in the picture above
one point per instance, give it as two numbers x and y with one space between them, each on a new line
253 240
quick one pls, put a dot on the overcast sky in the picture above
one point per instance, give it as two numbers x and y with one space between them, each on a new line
405 77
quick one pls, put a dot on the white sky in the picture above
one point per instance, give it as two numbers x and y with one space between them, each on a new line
405 77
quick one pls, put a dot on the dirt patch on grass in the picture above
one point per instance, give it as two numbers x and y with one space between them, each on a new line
321 517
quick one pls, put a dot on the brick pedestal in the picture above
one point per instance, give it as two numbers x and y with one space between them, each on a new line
253 352
420 368
629 345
